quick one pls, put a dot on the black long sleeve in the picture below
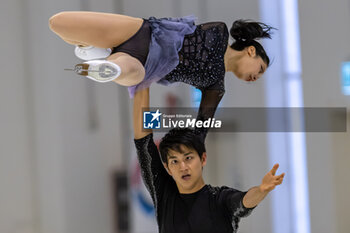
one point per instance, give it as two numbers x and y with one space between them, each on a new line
153 172
211 98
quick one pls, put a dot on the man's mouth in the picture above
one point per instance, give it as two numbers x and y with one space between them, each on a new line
186 177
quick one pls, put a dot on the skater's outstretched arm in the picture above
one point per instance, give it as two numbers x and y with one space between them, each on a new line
241 204
256 194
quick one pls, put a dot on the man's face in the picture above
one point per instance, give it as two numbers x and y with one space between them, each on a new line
186 169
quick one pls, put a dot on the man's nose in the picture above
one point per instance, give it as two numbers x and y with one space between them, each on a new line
183 165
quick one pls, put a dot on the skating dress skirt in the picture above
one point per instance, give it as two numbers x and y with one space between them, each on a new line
167 36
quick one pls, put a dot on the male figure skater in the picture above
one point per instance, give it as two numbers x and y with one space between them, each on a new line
183 202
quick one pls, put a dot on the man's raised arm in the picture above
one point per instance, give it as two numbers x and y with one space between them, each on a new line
141 102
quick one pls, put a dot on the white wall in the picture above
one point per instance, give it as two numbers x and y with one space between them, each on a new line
64 135
17 187
325 37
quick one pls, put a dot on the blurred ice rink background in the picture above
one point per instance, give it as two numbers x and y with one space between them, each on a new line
66 143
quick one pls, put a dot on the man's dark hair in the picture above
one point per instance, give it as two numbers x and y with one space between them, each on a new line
177 137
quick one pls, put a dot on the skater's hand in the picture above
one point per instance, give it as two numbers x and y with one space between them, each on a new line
256 194
270 180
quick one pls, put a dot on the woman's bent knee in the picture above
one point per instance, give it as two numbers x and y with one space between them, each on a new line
57 21
53 21
130 76
139 76
133 71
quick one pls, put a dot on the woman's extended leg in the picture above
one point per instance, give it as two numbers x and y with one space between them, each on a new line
74 42
102 30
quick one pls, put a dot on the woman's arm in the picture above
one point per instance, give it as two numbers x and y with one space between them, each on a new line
141 103
209 102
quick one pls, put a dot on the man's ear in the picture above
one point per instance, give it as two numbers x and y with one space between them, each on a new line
204 159
167 169
251 51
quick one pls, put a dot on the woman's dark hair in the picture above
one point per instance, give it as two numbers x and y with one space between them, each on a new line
177 137
245 32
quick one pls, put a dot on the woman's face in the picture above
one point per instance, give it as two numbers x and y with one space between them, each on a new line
250 67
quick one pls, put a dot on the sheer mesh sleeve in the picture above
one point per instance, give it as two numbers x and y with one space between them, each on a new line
153 173
221 25
211 98
235 203
232 200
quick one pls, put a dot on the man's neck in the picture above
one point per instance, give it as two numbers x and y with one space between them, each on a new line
196 188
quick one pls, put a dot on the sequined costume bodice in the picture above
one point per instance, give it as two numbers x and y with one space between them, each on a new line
201 64
201 59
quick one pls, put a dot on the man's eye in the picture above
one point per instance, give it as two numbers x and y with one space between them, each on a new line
173 161
189 157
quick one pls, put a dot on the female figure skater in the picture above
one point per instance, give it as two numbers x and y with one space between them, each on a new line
140 51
